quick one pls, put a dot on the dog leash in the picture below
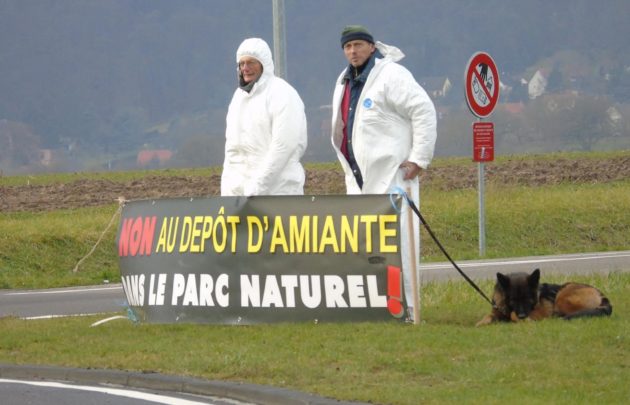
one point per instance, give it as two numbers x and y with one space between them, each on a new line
435 239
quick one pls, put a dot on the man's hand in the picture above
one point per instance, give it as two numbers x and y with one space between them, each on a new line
411 169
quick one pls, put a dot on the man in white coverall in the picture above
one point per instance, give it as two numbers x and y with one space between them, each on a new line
265 135
383 130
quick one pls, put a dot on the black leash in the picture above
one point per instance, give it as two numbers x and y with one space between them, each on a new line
428 228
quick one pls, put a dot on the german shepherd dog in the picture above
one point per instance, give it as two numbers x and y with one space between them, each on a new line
520 296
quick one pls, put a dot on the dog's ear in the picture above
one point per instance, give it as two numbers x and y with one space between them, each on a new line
533 279
504 281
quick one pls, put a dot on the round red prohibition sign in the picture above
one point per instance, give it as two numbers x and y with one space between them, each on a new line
482 84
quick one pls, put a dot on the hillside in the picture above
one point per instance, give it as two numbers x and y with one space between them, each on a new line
88 85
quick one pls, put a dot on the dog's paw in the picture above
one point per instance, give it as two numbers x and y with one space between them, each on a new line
486 320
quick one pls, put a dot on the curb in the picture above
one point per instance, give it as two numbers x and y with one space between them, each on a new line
252 393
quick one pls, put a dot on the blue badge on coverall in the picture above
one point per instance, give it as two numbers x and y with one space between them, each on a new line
367 103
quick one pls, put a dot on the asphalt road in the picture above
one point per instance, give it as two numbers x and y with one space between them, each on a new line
110 298
582 263
62 301
50 385
53 392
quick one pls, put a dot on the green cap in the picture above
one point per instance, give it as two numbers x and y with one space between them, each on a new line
354 32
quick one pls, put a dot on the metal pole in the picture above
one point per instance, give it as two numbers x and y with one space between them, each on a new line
279 43
415 288
482 216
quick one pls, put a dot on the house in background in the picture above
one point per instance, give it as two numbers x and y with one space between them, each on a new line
45 157
436 86
514 108
153 158
537 84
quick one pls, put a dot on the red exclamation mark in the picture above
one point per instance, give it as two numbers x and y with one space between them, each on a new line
394 291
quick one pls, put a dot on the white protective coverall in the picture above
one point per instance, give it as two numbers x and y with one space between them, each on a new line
394 121
265 135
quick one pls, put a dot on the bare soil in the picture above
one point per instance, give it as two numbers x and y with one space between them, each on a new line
84 193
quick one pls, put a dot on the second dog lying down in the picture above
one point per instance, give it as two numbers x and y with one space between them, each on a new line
520 296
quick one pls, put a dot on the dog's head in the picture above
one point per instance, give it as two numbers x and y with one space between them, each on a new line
520 293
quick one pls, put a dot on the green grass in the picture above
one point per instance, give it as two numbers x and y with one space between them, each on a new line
444 360
522 221
546 157
39 250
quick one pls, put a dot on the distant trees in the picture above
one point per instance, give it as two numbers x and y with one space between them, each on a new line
554 81
586 123
551 122
96 78
619 84
570 122
199 151
559 122
19 146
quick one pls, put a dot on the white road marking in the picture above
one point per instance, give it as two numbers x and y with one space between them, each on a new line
74 290
528 261
33 318
160 399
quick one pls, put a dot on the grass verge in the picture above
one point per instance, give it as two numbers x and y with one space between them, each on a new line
444 360
40 250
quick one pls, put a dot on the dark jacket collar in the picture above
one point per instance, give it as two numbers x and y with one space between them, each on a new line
360 73
246 86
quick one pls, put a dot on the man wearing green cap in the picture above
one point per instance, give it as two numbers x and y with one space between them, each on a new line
383 129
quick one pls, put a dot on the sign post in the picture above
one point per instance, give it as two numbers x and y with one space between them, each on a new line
482 94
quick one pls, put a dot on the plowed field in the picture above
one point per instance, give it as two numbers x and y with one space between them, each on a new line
84 193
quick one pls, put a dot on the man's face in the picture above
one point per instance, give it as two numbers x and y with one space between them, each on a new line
250 68
358 51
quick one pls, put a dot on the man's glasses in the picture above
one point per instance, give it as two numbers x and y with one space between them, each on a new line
250 63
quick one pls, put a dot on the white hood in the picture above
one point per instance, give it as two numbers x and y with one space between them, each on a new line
257 48
389 51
